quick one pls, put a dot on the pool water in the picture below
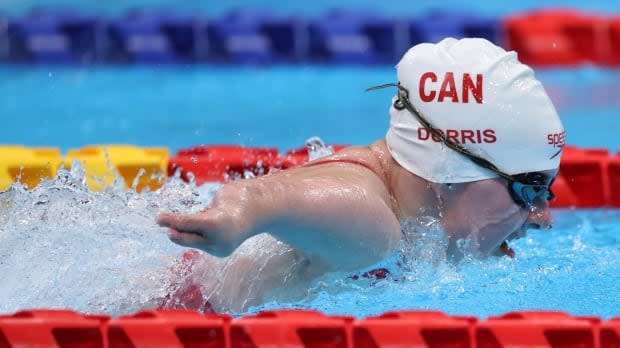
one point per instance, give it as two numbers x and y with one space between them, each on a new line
63 246
314 8
273 106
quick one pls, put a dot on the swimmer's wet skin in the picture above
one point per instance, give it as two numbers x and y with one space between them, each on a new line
339 215
467 145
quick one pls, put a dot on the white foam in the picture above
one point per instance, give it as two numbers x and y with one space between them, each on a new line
64 246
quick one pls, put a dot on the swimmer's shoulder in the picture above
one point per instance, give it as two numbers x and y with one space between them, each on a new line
375 158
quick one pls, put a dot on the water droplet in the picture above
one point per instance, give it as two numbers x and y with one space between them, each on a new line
136 180
317 148
191 177
42 199
248 174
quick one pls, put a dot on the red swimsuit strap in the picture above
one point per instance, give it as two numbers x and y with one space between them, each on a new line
344 160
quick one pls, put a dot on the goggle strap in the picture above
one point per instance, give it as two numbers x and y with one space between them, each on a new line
404 98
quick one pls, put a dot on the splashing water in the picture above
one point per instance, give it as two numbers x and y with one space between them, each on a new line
317 148
64 246
573 268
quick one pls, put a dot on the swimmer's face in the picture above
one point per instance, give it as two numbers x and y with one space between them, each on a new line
486 211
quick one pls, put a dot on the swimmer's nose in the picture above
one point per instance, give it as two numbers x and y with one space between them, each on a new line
540 217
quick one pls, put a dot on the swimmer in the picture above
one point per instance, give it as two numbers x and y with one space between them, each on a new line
468 144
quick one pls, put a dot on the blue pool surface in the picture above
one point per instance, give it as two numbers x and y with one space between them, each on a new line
316 7
62 246
272 106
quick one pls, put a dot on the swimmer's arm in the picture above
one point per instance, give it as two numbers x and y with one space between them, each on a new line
336 212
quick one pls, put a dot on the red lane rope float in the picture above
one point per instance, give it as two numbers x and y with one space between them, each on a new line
588 178
169 329
561 37
52 328
610 333
219 163
291 328
414 328
306 328
614 49
613 177
537 329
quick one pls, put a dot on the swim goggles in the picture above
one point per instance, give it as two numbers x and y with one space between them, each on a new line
525 189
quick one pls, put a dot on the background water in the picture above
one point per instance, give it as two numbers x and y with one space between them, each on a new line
271 106
316 7
63 246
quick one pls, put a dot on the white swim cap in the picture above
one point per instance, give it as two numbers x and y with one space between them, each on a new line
481 97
